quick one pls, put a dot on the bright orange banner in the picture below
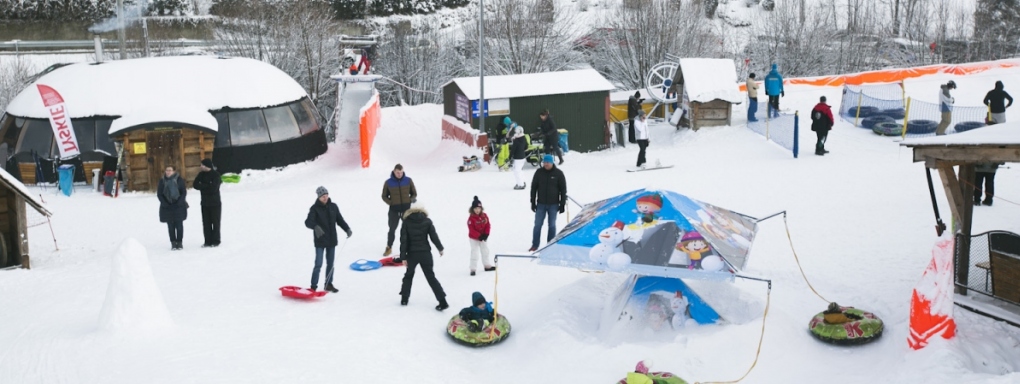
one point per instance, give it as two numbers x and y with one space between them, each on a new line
370 120
899 74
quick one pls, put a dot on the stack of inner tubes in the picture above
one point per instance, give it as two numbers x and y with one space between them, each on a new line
968 125
870 122
921 127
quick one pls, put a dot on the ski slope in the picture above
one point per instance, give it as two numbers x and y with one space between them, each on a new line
860 219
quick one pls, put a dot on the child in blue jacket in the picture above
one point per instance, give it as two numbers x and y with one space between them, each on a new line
478 313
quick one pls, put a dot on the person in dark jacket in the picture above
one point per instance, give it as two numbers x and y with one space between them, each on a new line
996 102
985 172
551 135
398 192
415 233
518 152
323 217
172 191
821 123
633 106
208 183
548 196
478 313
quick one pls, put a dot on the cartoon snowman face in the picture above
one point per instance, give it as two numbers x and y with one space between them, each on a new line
611 236
678 304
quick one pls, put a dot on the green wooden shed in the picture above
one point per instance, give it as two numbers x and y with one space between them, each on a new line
578 101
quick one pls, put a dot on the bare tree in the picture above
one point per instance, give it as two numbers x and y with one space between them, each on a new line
14 75
525 36
417 62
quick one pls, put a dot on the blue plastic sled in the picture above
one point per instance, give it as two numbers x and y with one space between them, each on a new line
365 265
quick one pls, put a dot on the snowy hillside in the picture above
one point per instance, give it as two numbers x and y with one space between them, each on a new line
859 217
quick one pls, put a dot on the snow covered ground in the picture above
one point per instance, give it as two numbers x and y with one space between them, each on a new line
860 219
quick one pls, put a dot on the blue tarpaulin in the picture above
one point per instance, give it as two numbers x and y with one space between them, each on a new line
66 178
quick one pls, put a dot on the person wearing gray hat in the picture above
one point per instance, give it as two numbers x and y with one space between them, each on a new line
322 219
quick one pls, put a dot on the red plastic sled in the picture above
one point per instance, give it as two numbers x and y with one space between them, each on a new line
388 262
300 293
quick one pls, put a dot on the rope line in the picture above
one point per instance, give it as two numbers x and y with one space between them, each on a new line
408 87
761 339
495 299
790 238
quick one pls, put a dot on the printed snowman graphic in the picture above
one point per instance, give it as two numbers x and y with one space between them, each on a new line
679 305
609 251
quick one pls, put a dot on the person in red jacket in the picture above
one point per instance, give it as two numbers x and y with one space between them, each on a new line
478 232
821 123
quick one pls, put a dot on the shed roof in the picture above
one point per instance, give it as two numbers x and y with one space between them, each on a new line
534 84
709 79
11 182
998 134
997 143
141 90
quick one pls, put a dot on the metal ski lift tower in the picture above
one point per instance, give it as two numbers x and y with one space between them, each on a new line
659 83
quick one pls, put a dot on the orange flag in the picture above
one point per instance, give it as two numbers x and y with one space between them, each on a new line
931 304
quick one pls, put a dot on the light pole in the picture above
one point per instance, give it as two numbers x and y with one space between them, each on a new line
481 66
120 29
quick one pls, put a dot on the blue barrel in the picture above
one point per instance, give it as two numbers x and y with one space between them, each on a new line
563 140
66 178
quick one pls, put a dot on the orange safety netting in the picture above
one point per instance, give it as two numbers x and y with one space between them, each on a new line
899 74
370 120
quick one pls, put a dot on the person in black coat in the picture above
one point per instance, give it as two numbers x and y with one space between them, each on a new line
996 102
551 140
548 196
208 183
172 191
415 233
518 152
323 217
633 106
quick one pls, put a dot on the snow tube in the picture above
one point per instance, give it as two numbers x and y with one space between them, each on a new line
870 122
866 329
660 378
968 125
888 128
230 178
300 293
895 113
866 111
458 330
365 265
921 127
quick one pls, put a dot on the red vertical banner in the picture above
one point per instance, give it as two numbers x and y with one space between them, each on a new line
371 118
931 304
60 121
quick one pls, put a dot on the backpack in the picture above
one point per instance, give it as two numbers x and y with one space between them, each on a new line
816 115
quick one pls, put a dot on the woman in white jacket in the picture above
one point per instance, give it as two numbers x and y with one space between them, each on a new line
641 133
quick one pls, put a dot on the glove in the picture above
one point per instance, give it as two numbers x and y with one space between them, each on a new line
440 253
534 207
563 207
782 93
483 237
318 231
349 233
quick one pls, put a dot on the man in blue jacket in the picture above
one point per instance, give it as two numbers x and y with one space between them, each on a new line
774 89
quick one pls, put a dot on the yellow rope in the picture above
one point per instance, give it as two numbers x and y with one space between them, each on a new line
788 237
757 353
495 299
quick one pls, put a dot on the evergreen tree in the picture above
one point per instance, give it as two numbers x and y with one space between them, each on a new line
349 9
997 20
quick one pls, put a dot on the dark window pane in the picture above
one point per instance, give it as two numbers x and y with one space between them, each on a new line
9 130
305 117
222 130
248 127
103 140
85 133
38 137
282 125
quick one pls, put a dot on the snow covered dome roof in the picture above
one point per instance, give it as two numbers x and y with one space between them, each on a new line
161 89
709 79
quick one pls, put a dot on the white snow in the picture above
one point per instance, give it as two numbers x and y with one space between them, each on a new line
1007 133
190 85
860 218
709 79
133 301
165 113
534 84
22 190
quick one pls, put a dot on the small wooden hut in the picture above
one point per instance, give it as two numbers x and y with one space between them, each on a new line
708 89
14 220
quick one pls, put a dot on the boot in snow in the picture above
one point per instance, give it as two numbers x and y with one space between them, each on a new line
388 251
442 305
331 288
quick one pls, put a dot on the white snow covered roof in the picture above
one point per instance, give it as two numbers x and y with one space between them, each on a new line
709 79
998 134
161 89
534 84
17 186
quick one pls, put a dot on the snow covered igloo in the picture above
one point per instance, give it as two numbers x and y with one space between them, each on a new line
242 113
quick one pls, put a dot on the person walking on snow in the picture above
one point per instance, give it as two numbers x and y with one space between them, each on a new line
551 141
415 234
774 89
821 123
633 106
641 134
946 102
996 102
478 234
172 192
398 192
323 217
208 183
752 98
548 196
985 172
518 151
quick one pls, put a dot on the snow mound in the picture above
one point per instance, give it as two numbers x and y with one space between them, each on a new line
133 301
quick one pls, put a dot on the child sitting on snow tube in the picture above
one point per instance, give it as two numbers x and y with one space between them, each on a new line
642 376
478 325
476 315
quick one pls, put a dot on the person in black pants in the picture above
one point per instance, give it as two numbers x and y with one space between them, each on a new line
821 123
398 193
323 218
208 183
551 140
633 106
984 172
415 234
172 191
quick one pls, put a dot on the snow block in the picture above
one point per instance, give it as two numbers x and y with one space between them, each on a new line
133 300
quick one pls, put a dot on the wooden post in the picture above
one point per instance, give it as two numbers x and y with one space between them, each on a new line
201 145
127 162
22 231
963 241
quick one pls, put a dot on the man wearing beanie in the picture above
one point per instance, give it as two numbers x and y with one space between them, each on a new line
322 219
548 196
996 102
208 183
398 192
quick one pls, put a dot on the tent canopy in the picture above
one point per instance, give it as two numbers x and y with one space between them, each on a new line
656 233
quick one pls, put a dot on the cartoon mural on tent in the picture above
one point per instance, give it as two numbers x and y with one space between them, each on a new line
658 233
652 304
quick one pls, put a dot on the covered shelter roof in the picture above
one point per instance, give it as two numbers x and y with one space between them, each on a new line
12 182
710 79
534 84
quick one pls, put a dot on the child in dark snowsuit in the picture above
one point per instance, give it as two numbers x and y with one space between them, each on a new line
477 314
